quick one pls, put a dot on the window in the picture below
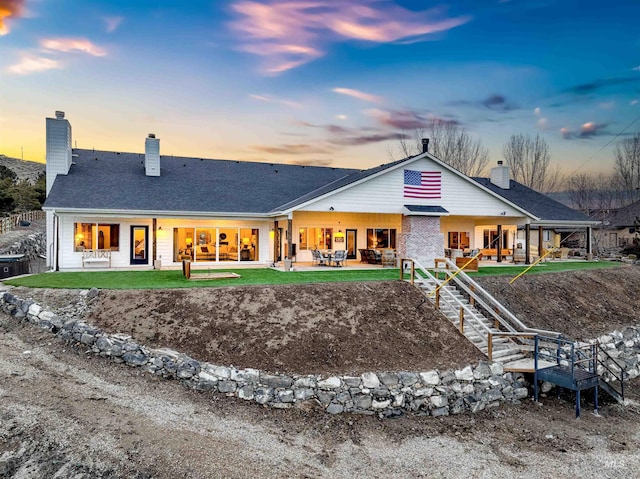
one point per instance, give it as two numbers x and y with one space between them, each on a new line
83 236
315 238
381 238
96 236
490 239
458 239
546 235
216 244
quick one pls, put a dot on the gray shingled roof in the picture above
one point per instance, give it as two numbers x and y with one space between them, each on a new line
545 208
105 180
625 216
355 175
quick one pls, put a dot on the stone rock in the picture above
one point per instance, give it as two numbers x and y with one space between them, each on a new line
496 369
275 381
421 392
103 343
546 387
352 381
306 382
227 386
134 359
492 395
263 395
447 378
520 393
465 374
439 401
482 371
332 382
380 404
219 371
34 309
370 380
388 379
325 397
362 401
87 339
408 378
249 375
442 411
430 378
92 293
206 377
246 392
304 394
398 400
286 395
335 408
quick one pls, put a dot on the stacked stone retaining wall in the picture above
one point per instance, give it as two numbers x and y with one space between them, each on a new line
387 394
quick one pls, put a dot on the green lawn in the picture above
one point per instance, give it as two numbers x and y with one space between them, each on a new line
175 279
551 267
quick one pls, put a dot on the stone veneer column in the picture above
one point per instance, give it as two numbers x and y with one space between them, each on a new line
421 239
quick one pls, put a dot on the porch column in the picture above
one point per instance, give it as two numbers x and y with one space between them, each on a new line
421 239
499 246
276 241
289 239
540 236
589 244
527 245
154 241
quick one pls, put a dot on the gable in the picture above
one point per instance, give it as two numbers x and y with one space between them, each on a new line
392 189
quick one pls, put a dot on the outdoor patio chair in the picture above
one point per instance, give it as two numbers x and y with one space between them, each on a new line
339 257
324 258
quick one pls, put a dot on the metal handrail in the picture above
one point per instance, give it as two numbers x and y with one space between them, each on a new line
479 290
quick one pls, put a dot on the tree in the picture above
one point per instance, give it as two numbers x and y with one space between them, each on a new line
450 143
627 167
7 173
530 163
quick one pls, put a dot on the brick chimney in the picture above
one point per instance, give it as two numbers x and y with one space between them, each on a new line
58 148
501 176
152 155
425 145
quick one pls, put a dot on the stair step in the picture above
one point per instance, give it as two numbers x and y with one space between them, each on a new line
508 359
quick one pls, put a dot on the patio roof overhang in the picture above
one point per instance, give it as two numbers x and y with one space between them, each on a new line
422 210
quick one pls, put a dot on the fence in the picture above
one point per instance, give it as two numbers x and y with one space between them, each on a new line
9 222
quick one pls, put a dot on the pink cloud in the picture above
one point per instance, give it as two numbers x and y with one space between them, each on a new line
360 95
272 99
9 8
288 34
73 45
33 64
112 23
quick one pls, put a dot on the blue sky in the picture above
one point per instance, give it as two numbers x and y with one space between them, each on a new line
325 82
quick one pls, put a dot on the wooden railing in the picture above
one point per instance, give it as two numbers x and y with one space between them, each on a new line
10 222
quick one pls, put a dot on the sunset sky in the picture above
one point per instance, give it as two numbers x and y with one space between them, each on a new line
323 82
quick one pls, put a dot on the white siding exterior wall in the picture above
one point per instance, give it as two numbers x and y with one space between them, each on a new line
385 194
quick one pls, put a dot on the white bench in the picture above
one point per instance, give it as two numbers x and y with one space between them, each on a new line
96 256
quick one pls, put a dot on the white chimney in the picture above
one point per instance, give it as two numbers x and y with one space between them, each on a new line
58 148
152 155
500 176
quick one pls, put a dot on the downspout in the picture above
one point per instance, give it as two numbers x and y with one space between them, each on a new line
56 242
154 242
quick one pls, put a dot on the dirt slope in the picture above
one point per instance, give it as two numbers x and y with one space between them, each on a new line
582 305
318 328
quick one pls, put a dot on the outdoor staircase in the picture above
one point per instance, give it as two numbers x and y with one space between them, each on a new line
485 322
503 338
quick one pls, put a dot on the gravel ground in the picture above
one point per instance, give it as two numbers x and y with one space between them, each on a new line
68 414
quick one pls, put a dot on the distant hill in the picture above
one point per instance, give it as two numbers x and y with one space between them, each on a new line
28 170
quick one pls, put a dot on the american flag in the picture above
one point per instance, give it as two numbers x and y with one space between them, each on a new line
422 184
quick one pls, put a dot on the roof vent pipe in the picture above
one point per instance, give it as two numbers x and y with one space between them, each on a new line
425 145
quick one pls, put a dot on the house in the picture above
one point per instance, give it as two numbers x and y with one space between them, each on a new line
619 226
140 211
